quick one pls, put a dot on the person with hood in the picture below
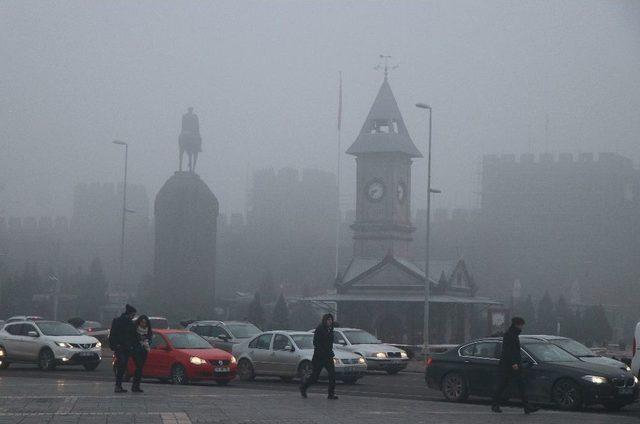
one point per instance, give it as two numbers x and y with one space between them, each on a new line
122 339
141 349
322 357
511 367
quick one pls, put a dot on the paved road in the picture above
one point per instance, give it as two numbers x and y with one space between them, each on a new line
406 386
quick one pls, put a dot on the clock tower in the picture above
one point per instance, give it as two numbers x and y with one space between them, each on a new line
384 152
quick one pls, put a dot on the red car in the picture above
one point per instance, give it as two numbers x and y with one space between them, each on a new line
180 356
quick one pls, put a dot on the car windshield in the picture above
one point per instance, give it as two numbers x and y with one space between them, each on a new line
187 341
91 324
57 329
360 337
159 323
303 341
573 347
547 352
244 330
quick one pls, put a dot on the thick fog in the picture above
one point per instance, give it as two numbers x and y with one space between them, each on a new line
502 77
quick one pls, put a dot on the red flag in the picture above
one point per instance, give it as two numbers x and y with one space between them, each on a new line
340 104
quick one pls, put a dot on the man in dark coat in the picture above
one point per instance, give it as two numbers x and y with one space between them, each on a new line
511 367
123 339
322 357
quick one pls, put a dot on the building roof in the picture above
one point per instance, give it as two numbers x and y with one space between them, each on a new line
384 130
365 297
359 266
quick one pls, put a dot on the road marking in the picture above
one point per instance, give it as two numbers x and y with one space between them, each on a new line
67 405
175 418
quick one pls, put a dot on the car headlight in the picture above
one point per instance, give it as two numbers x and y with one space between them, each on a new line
403 355
595 379
336 361
380 355
63 344
627 367
197 361
98 344
635 379
361 360
233 359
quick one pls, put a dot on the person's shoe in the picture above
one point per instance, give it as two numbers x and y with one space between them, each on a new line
496 408
120 389
332 397
137 389
529 409
303 392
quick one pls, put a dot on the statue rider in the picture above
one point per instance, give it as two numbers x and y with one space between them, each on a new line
189 139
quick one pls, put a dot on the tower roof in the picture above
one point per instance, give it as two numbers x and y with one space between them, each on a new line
384 130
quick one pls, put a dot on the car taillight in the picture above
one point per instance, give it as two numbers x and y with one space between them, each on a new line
429 361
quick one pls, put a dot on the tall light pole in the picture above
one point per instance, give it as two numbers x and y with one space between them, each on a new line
427 284
124 208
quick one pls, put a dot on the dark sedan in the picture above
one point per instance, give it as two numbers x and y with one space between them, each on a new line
552 375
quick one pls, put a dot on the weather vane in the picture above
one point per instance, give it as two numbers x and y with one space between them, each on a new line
386 67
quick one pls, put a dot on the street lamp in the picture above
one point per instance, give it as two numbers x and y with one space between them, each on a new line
427 284
124 208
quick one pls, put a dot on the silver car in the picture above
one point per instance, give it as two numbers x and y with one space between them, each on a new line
224 335
288 354
379 356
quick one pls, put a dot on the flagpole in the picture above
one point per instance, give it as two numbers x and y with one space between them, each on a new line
339 153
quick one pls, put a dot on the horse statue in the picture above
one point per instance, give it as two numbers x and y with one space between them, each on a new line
189 139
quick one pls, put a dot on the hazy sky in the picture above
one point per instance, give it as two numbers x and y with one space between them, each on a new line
262 76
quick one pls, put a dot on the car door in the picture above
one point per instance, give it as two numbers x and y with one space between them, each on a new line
159 359
481 364
31 345
538 377
261 354
285 358
12 340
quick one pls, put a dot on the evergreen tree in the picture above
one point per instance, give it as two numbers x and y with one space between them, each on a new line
596 326
267 289
546 317
525 309
255 314
280 316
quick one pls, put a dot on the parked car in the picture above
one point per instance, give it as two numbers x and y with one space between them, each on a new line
181 356
224 335
635 352
288 354
379 356
16 318
580 351
553 375
47 344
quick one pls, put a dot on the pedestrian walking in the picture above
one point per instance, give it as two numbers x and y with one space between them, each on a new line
511 367
122 339
140 349
322 357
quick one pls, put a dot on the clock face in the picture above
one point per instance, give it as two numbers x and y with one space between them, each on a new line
401 191
375 191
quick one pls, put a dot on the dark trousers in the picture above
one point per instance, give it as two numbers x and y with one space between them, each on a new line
318 364
139 356
122 359
507 375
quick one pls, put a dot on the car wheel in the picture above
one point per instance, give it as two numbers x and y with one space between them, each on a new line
46 360
222 382
245 370
91 366
350 380
566 395
454 387
305 370
613 406
179 375
4 364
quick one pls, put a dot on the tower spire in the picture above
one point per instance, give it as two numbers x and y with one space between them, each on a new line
385 67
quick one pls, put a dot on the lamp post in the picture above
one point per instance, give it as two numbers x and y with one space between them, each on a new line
427 284
124 208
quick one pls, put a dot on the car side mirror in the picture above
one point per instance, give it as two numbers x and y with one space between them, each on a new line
32 333
289 348
527 364
223 337
342 342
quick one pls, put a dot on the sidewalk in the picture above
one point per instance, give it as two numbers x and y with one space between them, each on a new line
40 401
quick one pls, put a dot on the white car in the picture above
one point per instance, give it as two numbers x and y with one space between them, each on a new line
379 356
48 344
635 352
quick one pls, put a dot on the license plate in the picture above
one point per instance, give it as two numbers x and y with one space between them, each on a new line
349 369
625 390
395 361
221 369
86 354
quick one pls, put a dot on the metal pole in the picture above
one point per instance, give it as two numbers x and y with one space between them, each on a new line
338 214
124 214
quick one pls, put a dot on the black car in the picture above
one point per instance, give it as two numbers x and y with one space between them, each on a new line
553 375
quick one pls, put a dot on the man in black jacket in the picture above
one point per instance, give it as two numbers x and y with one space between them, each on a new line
122 339
322 357
511 366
